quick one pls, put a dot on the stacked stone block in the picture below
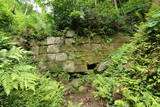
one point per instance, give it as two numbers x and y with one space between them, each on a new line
73 54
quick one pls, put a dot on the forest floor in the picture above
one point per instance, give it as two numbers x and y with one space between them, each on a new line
85 98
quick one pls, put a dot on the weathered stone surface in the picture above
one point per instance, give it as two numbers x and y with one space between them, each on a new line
70 33
52 66
96 46
54 40
102 66
69 66
53 49
42 49
73 57
69 41
87 46
61 57
81 68
41 58
51 57
35 50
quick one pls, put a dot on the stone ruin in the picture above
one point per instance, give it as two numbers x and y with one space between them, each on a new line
74 54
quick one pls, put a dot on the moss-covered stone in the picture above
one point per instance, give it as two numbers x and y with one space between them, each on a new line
41 58
42 49
53 49
61 57
51 57
77 53
69 66
81 68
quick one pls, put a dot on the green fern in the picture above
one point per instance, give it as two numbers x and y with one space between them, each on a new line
21 84
16 75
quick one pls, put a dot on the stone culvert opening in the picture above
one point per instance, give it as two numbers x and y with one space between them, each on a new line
91 66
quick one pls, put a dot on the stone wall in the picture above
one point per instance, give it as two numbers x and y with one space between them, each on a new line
73 54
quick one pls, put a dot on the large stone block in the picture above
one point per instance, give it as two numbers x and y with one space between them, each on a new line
51 57
41 58
53 49
61 57
69 66
81 68
54 40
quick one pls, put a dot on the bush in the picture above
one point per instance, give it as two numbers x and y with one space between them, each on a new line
33 26
6 18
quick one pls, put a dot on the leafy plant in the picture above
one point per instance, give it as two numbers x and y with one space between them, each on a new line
20 83
6 18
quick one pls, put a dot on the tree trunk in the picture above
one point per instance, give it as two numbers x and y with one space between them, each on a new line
95 2
26 11
116 4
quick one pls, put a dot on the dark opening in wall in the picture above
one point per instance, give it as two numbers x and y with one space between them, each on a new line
91 66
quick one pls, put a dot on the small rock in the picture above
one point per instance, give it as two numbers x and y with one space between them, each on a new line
75 83
102 66
82 89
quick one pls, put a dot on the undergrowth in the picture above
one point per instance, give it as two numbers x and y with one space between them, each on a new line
132 77
20 83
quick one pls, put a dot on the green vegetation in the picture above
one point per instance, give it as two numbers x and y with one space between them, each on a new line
20 83
132 74
103 18
132 77
19 19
